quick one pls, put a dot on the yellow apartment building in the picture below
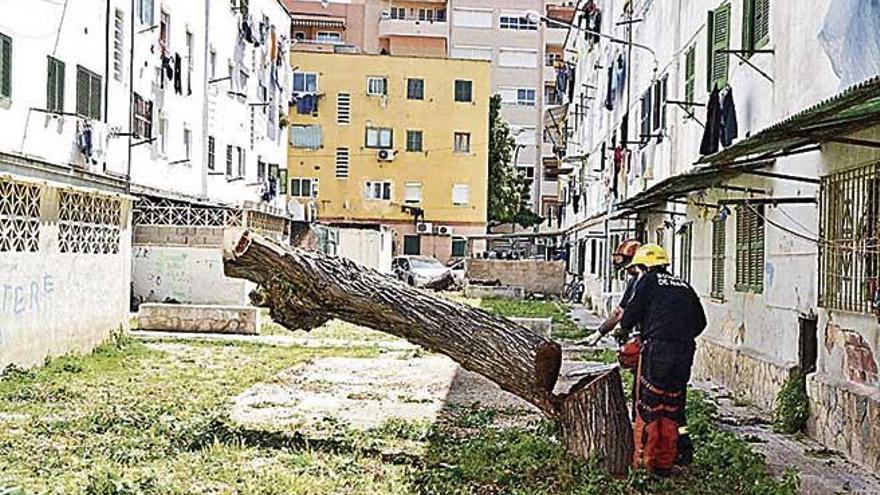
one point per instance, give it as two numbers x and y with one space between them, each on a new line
395 141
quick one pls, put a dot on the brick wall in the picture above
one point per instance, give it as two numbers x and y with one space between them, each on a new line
546 277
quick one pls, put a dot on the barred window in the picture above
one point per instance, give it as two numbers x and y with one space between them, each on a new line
849 209
750 248
719 245
19 217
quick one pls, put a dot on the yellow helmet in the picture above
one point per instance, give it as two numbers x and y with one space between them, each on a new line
650 255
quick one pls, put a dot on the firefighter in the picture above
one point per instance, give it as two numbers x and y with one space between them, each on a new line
621 259
670 317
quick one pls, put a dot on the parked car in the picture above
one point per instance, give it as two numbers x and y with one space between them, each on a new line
422 271
458 274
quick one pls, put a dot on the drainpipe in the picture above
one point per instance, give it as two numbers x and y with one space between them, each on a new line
130 93
205 76
106 56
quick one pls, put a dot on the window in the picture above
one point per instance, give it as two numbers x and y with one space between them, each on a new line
550 58
377 86
718 39
413 140
690 76
686 240
304 188
515 57
212 64
377 190
518 22
299 36
143 117
426 15
328 37
118 45
756 24
305 82
343 161
849 208
242 160
343 108
462 142
145 12
229 160
190 61
415 89
461 194
472 18
471 52
306 137
659 112
164 30
412 245
187 143
212 153
645 124
525 97
459 247
719 245
5 67
398 13
464 91
412 192
55 85
551 97
750 248
261 169
163 136
88 93
379 137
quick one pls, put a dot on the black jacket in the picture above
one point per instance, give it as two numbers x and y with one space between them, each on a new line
665 308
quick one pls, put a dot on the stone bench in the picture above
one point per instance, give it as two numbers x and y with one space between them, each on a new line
197 318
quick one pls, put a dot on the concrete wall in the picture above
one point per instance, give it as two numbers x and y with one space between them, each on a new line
59 299
184 264
546 277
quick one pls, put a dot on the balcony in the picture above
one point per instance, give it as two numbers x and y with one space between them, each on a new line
413 27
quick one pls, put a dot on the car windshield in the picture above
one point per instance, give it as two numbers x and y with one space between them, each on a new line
424 263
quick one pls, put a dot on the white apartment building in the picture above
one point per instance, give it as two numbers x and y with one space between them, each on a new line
773 223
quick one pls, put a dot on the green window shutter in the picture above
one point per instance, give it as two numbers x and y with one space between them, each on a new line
5 66
719 233
761 33
95 97
742 248
690 67
718 39
55 85
748 25
757 249
82 91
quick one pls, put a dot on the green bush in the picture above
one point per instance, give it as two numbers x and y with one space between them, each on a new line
792 406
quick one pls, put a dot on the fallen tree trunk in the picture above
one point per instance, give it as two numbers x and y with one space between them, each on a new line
303 289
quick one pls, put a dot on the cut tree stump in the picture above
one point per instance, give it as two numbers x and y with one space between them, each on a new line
304 289
595 421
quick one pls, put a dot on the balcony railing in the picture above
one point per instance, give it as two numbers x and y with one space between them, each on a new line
413 26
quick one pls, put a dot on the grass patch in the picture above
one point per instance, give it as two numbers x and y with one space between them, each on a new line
333 329
563 326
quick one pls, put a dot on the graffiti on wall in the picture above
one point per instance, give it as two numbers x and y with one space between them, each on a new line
22 296
859 364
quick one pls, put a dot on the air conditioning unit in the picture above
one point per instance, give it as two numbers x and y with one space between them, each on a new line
424 228
385 155
444 230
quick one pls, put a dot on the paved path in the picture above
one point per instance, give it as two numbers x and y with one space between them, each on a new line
279 340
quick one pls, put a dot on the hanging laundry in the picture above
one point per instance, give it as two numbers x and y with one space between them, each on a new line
619 76
84 138
178 84
610 89
712 133
729 125
273 47
307 104
562 75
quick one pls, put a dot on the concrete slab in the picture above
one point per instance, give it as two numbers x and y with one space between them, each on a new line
199 318
543 326
486 291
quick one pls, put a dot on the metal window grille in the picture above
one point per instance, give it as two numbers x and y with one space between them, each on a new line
848 261
167 212
88 223
719 245
750 248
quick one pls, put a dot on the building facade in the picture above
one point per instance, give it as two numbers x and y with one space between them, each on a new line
741 135
65 218
396 141
521 48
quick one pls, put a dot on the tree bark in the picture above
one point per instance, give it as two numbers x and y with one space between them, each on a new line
303 289
595 421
